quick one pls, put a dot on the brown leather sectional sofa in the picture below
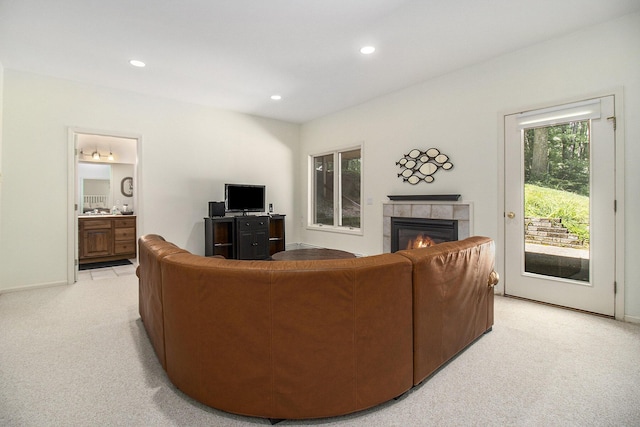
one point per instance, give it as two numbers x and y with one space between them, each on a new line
311 339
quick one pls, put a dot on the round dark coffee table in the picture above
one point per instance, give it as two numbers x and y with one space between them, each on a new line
309 254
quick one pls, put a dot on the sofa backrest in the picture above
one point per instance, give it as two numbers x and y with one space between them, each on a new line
151 249
292 339
452 299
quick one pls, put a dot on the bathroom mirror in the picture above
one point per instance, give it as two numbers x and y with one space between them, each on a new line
96 194
99 186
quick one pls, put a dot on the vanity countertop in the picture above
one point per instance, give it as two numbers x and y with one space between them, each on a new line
83 216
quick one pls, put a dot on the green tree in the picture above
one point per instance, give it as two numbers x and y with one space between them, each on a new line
562 160
540 154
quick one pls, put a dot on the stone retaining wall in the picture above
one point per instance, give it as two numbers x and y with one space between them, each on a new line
550 231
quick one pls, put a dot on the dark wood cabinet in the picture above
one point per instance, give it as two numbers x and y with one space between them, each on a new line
124 230
244 237
276 234
252 237
219 235
96 237
106 239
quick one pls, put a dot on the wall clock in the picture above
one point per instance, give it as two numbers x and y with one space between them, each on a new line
126 186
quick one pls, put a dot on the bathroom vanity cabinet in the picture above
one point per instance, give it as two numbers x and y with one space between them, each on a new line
106 238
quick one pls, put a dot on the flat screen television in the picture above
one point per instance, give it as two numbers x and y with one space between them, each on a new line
244 198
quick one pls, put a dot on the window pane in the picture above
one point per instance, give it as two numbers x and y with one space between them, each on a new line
556 200
350 188
323 203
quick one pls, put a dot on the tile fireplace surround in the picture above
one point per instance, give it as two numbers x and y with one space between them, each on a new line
461 211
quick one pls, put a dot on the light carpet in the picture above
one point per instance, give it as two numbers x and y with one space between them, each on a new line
79 356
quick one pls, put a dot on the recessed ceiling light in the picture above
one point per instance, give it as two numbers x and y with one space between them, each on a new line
367 50
276 97
137 63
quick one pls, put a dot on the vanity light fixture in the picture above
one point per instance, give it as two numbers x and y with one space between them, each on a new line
96 155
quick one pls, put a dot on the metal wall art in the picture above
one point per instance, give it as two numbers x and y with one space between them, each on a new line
421 165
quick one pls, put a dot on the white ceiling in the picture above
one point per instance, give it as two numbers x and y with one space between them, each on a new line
235 54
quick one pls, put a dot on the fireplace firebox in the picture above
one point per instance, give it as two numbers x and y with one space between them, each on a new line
412 233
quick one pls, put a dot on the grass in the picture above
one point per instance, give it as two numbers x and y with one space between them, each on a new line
572 208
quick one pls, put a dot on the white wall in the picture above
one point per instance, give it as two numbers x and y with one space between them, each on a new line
119 171
188 153
458 113
1 122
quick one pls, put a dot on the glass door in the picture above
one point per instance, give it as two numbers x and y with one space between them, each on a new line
559 202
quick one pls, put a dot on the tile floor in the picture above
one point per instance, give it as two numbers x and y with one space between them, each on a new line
108 272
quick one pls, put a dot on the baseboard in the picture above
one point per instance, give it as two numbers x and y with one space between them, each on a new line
34 286
632 319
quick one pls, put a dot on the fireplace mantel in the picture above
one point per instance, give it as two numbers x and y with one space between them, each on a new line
425 197
461 211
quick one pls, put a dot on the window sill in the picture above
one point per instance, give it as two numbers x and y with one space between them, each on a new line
334 229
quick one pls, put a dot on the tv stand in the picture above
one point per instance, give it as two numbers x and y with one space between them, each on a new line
245 236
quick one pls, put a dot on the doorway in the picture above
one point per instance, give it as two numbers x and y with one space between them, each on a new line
559 207
104 171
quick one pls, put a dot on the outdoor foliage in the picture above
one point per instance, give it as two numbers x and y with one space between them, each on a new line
323 166
351 192
558 157
550 203
556 172
351 164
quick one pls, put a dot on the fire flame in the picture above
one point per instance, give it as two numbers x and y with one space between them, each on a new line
421 241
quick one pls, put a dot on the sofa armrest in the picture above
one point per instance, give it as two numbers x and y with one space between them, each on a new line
453 299
151 249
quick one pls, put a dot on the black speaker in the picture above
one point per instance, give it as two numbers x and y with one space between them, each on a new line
216 209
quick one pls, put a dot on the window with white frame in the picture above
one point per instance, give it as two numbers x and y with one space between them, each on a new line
336 181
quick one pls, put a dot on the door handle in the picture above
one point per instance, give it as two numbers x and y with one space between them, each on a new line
511 215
